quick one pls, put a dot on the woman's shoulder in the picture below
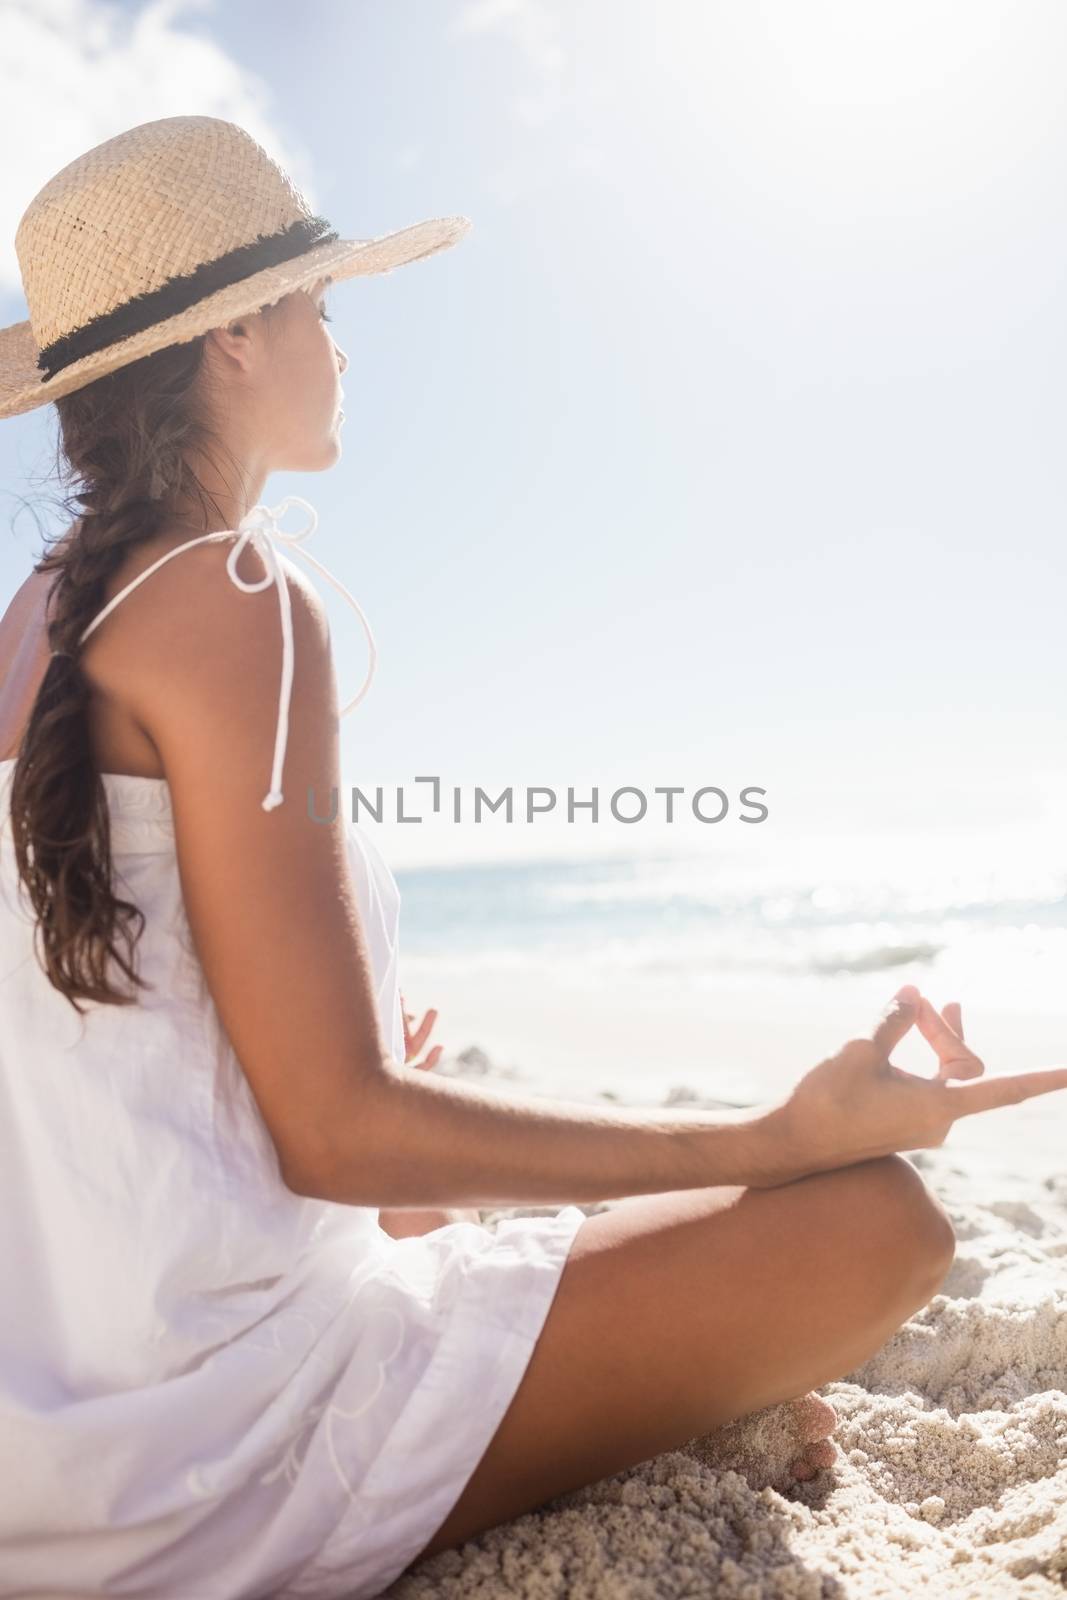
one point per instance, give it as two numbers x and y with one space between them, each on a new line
187 639
174 580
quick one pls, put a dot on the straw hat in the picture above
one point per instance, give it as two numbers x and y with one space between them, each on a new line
159 234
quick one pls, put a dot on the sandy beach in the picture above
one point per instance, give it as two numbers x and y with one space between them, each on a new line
951 1477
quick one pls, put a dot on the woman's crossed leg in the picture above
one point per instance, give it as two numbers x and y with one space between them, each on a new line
677 1313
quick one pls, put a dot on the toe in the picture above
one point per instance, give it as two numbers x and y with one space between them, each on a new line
817 1456
815 1417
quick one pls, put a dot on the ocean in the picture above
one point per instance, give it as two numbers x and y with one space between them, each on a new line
693 921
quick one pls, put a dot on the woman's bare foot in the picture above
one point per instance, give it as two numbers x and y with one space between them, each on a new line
778 1446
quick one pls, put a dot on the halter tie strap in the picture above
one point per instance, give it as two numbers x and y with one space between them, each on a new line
260 527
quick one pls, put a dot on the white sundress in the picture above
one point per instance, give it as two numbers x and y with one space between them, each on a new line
212 1388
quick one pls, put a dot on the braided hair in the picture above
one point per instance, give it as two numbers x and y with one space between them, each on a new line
124 438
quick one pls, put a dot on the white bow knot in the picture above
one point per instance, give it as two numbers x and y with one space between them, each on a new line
260 527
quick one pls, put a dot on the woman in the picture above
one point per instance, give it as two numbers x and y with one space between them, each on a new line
220 1371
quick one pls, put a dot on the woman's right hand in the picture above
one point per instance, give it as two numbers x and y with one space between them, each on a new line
857 1105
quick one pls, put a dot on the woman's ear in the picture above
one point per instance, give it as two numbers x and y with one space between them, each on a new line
232 341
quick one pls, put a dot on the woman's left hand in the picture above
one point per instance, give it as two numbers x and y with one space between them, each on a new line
415 1038
403 1224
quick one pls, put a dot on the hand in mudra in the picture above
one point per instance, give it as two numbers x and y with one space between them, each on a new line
404 1223
858 1105
415 1038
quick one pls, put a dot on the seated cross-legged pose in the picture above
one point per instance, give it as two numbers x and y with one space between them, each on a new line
255 1338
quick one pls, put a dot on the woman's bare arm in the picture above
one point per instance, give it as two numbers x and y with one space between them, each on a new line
274 919
442 1141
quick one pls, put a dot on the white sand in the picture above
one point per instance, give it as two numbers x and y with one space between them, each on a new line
951 1478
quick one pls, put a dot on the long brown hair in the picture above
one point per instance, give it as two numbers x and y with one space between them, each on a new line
123 440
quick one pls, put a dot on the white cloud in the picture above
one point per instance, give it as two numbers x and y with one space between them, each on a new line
534 28
76 72
560 86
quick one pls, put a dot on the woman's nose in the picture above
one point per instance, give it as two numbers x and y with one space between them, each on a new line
342 359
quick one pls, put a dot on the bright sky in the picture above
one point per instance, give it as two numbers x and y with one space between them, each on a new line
726 449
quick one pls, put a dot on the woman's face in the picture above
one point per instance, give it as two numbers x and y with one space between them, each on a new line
302 382
278 392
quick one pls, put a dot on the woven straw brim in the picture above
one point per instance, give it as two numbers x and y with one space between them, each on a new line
21 388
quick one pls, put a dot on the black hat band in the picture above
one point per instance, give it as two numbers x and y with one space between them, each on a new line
179 293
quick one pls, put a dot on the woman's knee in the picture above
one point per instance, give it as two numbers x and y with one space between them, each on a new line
901 1217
